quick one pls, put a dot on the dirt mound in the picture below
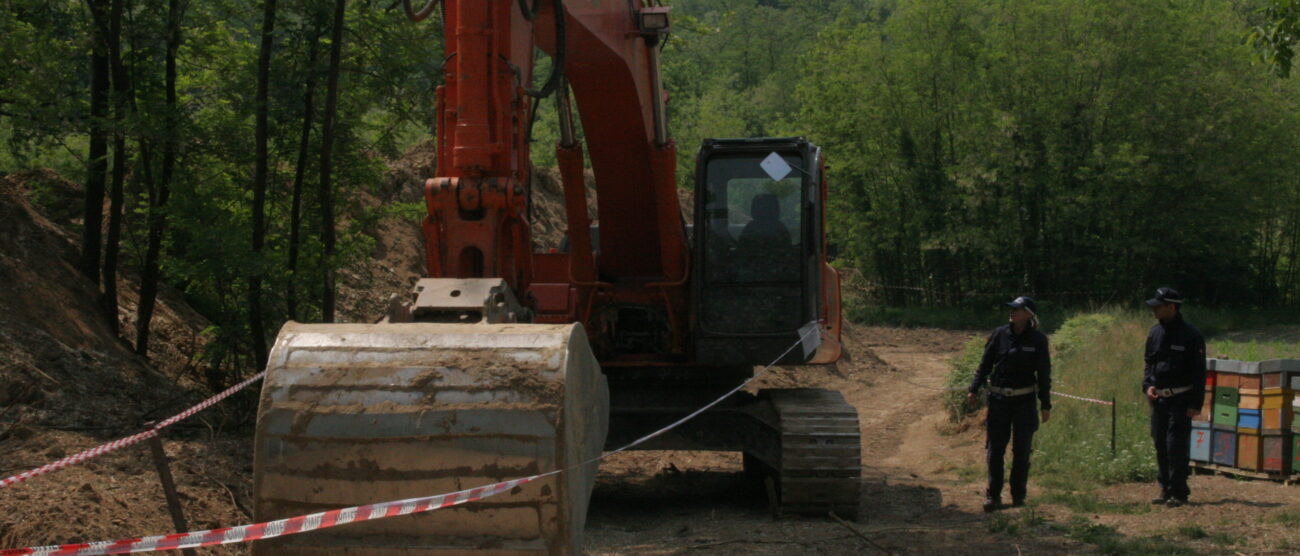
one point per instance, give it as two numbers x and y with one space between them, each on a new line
68 384
60 364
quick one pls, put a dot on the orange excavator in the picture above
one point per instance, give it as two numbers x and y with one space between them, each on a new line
505 362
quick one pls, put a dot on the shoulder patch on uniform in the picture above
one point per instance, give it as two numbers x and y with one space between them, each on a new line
1178 348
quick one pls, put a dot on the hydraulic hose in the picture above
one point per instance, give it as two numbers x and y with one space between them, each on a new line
530 13
424 12
557 59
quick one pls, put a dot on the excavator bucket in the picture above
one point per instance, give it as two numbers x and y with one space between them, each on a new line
361 413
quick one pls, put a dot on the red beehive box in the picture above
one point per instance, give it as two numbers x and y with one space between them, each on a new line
1209 379
1277 457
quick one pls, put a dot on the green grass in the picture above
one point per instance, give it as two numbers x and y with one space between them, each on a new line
959 378
1028 521
1225 539
1196 533
952 318
971 474
1108 540
1286 517
1253 350
1098 355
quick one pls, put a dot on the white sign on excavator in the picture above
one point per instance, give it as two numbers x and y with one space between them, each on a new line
776 167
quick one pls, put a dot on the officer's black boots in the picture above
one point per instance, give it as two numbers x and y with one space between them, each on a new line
991 503
1017 502
1174 502
1163 498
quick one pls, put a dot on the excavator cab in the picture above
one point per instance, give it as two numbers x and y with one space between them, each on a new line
758 252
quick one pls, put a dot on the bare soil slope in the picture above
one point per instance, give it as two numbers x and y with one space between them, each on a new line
67 384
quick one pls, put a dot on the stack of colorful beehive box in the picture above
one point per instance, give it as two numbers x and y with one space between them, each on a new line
1295 424
1248 417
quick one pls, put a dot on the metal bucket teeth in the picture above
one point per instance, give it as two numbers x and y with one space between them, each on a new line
361 413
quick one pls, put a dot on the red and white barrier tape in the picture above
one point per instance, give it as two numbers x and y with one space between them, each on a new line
133 439
278 528
1083 399
343 516
1054 393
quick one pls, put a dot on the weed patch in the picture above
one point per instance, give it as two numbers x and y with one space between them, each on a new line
1286 517
962 373
1016 525
1108 540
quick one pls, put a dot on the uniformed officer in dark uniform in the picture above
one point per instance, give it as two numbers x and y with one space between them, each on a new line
1174 382
1017 366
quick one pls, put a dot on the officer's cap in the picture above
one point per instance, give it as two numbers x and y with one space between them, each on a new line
1023 302
1165 295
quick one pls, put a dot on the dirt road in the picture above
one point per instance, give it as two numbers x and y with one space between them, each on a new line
922 486
912 499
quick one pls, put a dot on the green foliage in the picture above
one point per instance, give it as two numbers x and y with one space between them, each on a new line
1275 39
386 104
960 377
1087 502
732 67
1079 332
1077 150
951 318
1097 356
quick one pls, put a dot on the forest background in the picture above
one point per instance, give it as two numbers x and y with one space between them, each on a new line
1080 151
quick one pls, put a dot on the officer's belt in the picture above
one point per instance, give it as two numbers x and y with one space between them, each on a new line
1011 392
1171 392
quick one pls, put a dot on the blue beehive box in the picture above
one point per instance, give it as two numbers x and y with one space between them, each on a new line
1200 445
1248 419
1224 448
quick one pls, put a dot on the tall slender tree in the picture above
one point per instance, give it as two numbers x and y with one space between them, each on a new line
326 159
161 192
300 171
121 101
92 234
256 318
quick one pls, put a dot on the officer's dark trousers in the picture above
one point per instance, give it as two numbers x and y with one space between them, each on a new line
1011 420
1171 429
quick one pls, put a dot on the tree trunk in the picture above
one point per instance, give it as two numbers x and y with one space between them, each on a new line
300 170
326 155
121 94
256 324
159 195
92 234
